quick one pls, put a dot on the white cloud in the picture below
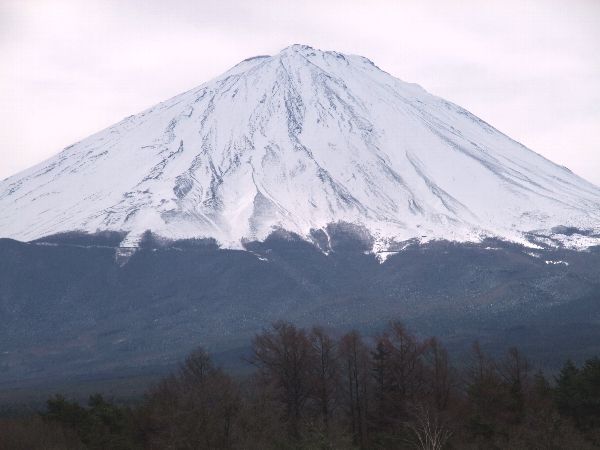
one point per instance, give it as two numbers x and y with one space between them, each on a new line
72 67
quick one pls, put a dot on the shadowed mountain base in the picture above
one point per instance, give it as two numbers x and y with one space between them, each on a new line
70 313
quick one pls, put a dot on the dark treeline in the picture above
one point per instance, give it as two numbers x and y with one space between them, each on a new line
313 390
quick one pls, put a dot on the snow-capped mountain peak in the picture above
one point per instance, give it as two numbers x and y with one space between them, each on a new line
299 140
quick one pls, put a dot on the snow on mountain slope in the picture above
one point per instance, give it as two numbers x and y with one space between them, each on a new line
299 140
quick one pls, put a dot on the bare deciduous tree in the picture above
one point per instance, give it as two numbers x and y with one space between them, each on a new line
283 356
439 374
430 430
195 408
325 373
354 356
407 364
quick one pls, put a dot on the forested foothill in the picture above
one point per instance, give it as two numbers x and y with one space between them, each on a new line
72 308
320 389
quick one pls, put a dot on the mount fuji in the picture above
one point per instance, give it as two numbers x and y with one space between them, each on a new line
298 141
307 186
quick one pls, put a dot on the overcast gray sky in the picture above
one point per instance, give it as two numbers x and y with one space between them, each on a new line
69 68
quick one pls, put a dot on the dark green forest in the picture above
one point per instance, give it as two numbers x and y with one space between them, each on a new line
312 389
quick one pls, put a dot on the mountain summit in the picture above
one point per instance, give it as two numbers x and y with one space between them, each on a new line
297 141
